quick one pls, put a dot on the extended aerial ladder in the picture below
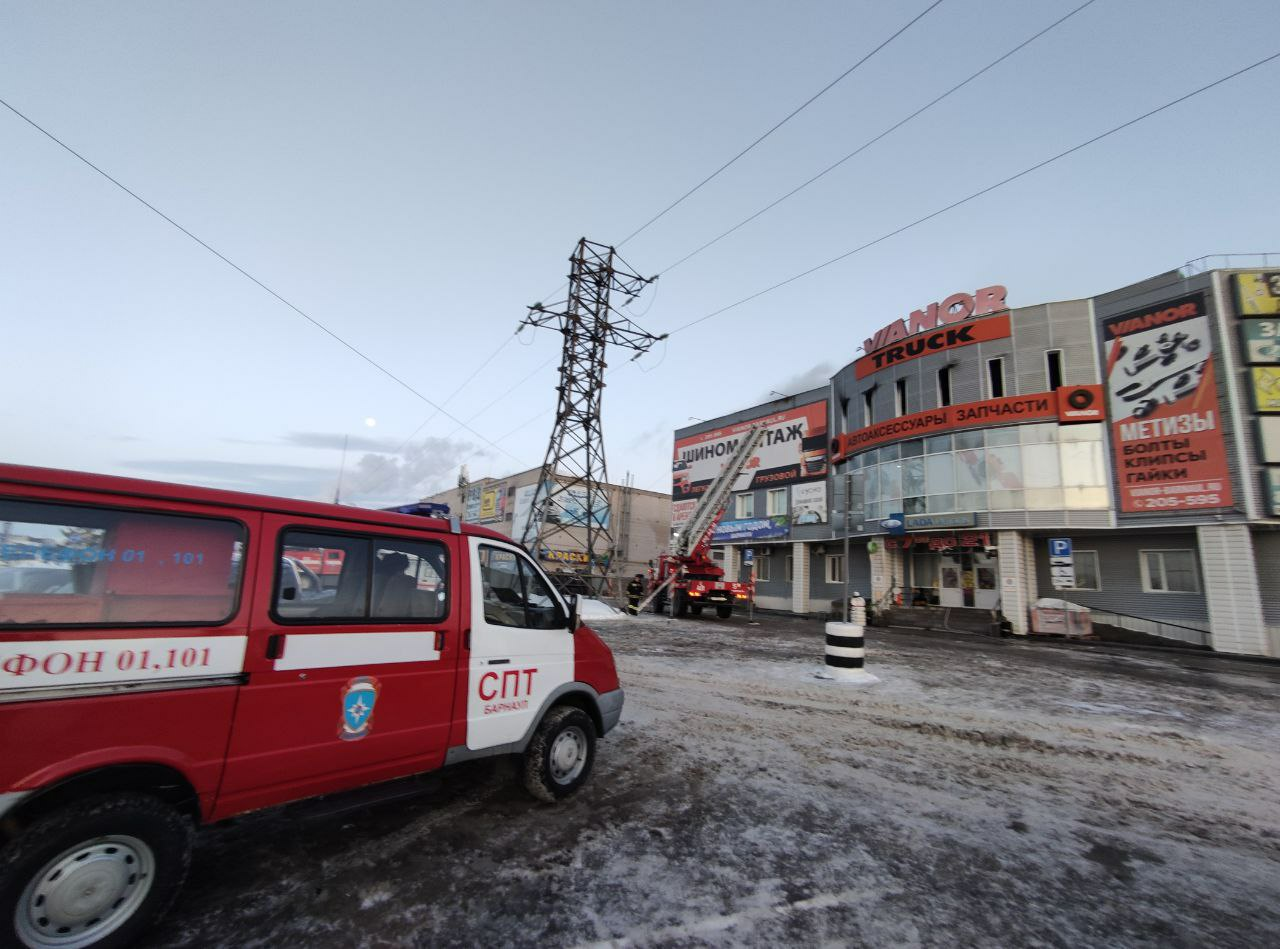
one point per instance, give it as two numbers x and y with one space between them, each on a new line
686 571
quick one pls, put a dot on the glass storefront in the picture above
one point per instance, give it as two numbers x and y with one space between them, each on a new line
1041 467
955 578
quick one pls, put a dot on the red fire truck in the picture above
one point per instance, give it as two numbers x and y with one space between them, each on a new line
172 677
686 574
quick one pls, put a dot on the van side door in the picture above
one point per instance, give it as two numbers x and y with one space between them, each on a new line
521 648
351 673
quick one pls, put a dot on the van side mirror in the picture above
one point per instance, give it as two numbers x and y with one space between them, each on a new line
289 593
572 600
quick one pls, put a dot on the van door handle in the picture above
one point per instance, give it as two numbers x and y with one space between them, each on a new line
440 640
498 662
274 642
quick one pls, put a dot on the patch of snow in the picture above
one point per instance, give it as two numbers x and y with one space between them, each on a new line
589 609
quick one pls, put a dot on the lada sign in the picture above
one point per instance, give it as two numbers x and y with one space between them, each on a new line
938 327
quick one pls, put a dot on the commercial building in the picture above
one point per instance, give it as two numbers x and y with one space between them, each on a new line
638 520
1139 426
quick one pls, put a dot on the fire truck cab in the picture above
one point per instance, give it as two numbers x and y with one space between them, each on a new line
184 670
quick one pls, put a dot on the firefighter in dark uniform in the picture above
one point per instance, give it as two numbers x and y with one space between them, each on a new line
635 590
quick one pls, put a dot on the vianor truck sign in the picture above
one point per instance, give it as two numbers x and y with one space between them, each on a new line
911 337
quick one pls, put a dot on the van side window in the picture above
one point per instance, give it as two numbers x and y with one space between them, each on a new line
342 576
514 592
409 580
66 565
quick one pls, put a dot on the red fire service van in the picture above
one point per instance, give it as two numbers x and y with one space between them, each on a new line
167 658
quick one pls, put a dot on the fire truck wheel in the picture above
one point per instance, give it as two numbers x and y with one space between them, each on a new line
96 873
724 612
559 758
680 604
695 609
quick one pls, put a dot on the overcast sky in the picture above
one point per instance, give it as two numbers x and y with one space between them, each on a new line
413 175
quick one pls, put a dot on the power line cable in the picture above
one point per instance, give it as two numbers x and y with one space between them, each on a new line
867 144
978 194
382 458
234 266
804 105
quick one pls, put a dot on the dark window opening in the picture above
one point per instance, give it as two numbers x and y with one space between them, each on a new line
995 372
1053 364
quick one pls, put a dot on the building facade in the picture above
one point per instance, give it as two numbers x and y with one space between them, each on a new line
1115 451
638 520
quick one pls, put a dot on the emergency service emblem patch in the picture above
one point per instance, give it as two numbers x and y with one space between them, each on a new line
359 696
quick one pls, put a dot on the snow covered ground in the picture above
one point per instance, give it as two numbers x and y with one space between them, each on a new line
986 793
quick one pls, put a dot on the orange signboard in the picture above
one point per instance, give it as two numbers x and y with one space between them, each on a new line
1066 405
1165 420
949 336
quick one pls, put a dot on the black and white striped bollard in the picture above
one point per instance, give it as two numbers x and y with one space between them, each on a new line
846 647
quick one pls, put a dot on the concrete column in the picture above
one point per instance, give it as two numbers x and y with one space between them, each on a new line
799 578
886 572
1017 592
732 559
1230 578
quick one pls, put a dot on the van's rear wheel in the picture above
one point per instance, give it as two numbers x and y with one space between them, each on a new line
724 612
96 873
559 759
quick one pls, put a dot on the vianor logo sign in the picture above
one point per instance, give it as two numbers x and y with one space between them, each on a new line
957 307
936 328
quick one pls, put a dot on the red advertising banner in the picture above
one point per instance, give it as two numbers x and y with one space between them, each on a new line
1066 405
794 450
1166 425
950 336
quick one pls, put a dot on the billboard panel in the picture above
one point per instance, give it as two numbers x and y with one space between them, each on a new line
1258 294
569 507
1261 340
756 528
471 504
793 451
1266 388
493 503
522 510
1165 419
809 503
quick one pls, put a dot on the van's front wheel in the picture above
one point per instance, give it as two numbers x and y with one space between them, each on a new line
97 873
559 758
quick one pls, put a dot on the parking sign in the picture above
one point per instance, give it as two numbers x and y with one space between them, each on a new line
748 555
1062 568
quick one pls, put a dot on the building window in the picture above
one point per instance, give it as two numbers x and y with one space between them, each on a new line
762 567
776 502
1169 571
995 378
744 505
867 417
835 568
944 386
900 397
789 563
844 415
1088 576
1053 368
717 554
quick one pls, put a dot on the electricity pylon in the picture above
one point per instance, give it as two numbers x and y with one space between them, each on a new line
572 487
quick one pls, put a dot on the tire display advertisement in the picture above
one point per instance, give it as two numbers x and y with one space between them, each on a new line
793 451
1166 425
